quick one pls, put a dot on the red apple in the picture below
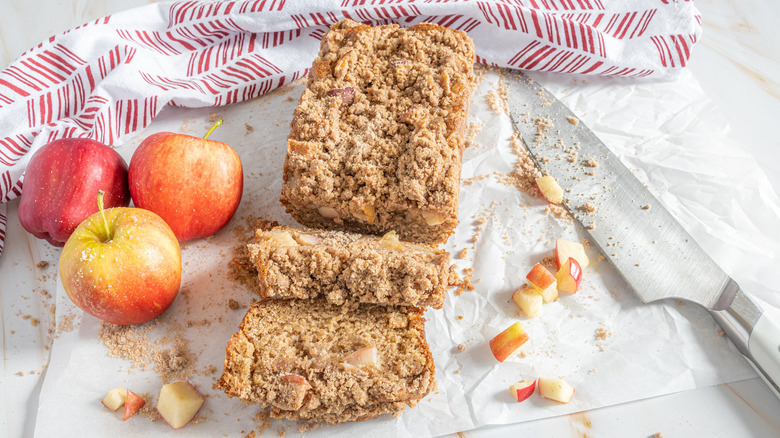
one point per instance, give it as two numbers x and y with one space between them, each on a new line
60 183
569 276
523 389
133 404
194 184
543 282
506 342
122 265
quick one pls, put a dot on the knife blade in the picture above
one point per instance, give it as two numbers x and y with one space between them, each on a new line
653 253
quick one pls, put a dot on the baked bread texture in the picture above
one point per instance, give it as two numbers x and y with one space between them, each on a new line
377 138
348 268
317 362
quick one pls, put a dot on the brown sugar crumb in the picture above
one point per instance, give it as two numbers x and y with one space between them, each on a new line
573 120
249 129
460 316
543 125
233 304
66 324
148 410
549 262
558 211
587 208
462 347
721 332
214 117
646 207
43 264
467 273
34 322
602 333
251 434
169 356
497 98
462 254
591 226
523 176
471 133
658 435
590 162
21 373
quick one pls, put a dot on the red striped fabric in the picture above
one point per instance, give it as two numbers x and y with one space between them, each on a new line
209 53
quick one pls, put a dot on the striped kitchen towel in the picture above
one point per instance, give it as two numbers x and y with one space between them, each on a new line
110 77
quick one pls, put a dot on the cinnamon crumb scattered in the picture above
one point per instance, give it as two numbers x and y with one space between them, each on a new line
543 125
587 208
233 304
43 264
590 162
646 207
721 332
249 129
602 333
462 254
462 347
573 120
214 117
497 98
658 435
460 316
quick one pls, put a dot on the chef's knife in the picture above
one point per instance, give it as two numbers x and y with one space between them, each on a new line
654 254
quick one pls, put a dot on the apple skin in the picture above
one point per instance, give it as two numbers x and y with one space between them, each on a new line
131 278
195 185
60 184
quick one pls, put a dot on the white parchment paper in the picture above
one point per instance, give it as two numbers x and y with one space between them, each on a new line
667 132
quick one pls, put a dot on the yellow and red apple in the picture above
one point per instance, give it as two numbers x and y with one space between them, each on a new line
543 282
508 341
122 265
569 276
566 248
194 184
523 389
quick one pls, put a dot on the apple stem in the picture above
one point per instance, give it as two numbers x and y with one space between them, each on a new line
213 127
103 214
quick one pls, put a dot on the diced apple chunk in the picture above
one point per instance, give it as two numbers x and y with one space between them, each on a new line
390 241
523 389
543 282
133 404
555 388
433 219
281 238
550 189
328 212
363 356
370 213
115 398
308 239
347 95
566 248
529 301
569 276
508 341
178 403
292 392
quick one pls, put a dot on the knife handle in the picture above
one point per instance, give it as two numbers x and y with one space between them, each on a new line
754 328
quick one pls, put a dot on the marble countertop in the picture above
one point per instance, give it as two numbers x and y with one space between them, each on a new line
736 64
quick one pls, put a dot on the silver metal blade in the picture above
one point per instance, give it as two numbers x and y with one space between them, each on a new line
650 249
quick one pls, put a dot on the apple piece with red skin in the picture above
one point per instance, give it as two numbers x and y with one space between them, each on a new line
555 388
194 184
529 301
133 404
60 183
543 282
508 341
122 265
523 389
569 276
115 398
178 403
566 248
550 189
